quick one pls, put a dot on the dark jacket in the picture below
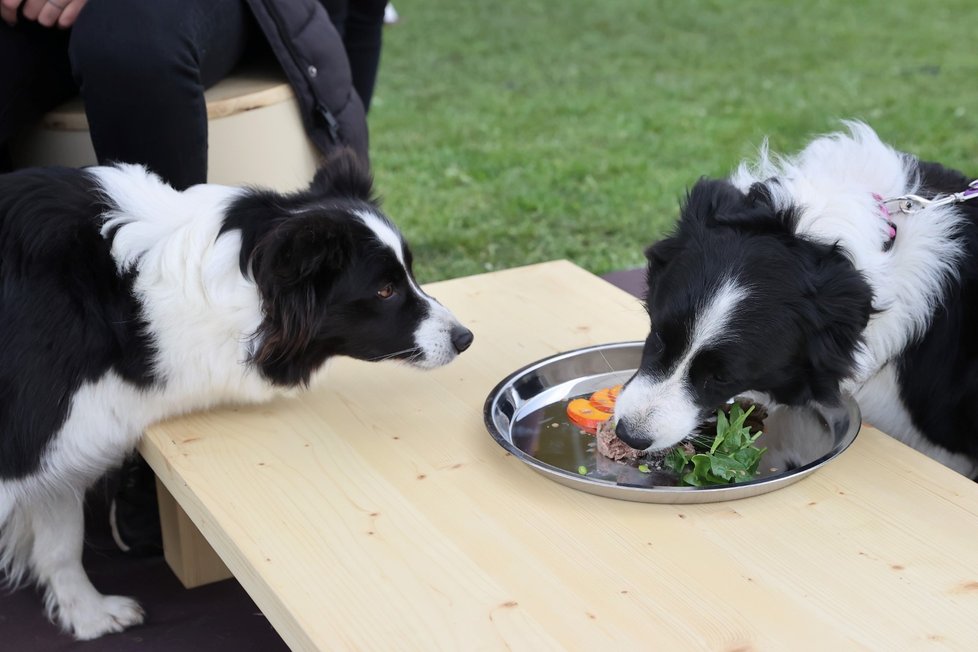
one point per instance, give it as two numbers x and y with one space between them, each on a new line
313 57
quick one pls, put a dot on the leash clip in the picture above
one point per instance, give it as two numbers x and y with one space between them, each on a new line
910 204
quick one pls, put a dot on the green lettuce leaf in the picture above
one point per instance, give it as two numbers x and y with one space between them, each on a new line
732 457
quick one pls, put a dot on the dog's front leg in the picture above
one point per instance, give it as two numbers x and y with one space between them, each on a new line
57 521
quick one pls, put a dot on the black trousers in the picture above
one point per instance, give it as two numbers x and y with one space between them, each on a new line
141 67
361 24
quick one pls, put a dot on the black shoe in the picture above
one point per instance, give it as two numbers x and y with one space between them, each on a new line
134 515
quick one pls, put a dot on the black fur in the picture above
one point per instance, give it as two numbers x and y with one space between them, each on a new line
67 316
939 373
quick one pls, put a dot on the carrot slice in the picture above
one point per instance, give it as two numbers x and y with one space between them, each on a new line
585 416
615 391
603 400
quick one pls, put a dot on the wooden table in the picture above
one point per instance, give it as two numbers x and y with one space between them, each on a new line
375 512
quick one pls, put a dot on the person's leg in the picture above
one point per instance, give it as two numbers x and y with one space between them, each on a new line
360 24
142 68
35 77
363 39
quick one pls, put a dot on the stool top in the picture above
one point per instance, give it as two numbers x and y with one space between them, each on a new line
241 91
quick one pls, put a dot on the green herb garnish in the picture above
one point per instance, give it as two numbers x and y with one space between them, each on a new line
731 458
582 470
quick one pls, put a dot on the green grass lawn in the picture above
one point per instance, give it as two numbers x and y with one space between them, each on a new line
509 132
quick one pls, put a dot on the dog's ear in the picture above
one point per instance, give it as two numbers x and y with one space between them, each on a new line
708 200
659 254
841 303
343 174
759 196
294 266
712 202
762 213
300 247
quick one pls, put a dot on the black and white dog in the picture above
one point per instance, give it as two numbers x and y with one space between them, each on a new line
123 302
797 279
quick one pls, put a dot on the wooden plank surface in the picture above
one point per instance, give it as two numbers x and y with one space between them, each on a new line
375 512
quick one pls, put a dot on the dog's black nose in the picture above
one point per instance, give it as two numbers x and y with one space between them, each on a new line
461 338
623 434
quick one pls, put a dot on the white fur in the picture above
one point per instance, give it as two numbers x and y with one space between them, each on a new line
200 309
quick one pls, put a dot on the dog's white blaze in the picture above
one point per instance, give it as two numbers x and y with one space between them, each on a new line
384 232
434 334
390 237
664 410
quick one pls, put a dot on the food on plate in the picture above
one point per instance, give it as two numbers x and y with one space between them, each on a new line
722 452
585 415
593 415
604 399
611 446
731 456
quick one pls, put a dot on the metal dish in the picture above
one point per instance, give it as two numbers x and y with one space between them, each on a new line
525 414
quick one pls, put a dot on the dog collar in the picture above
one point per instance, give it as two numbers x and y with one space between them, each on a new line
910 204
885 212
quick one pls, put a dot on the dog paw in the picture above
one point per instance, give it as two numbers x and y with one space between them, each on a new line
104 615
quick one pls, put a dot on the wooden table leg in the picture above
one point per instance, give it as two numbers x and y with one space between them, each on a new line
185 549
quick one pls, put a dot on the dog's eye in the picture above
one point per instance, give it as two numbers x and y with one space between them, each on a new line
718 377
386 292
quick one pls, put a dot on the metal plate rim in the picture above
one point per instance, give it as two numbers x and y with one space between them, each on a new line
657 494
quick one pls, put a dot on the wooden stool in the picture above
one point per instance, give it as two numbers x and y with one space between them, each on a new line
255 135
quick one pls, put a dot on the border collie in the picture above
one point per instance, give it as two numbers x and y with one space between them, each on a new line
123 302
802 278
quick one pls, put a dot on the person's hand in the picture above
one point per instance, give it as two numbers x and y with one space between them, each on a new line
48 13
8 10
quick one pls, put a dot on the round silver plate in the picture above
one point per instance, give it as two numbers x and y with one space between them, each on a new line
525 414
